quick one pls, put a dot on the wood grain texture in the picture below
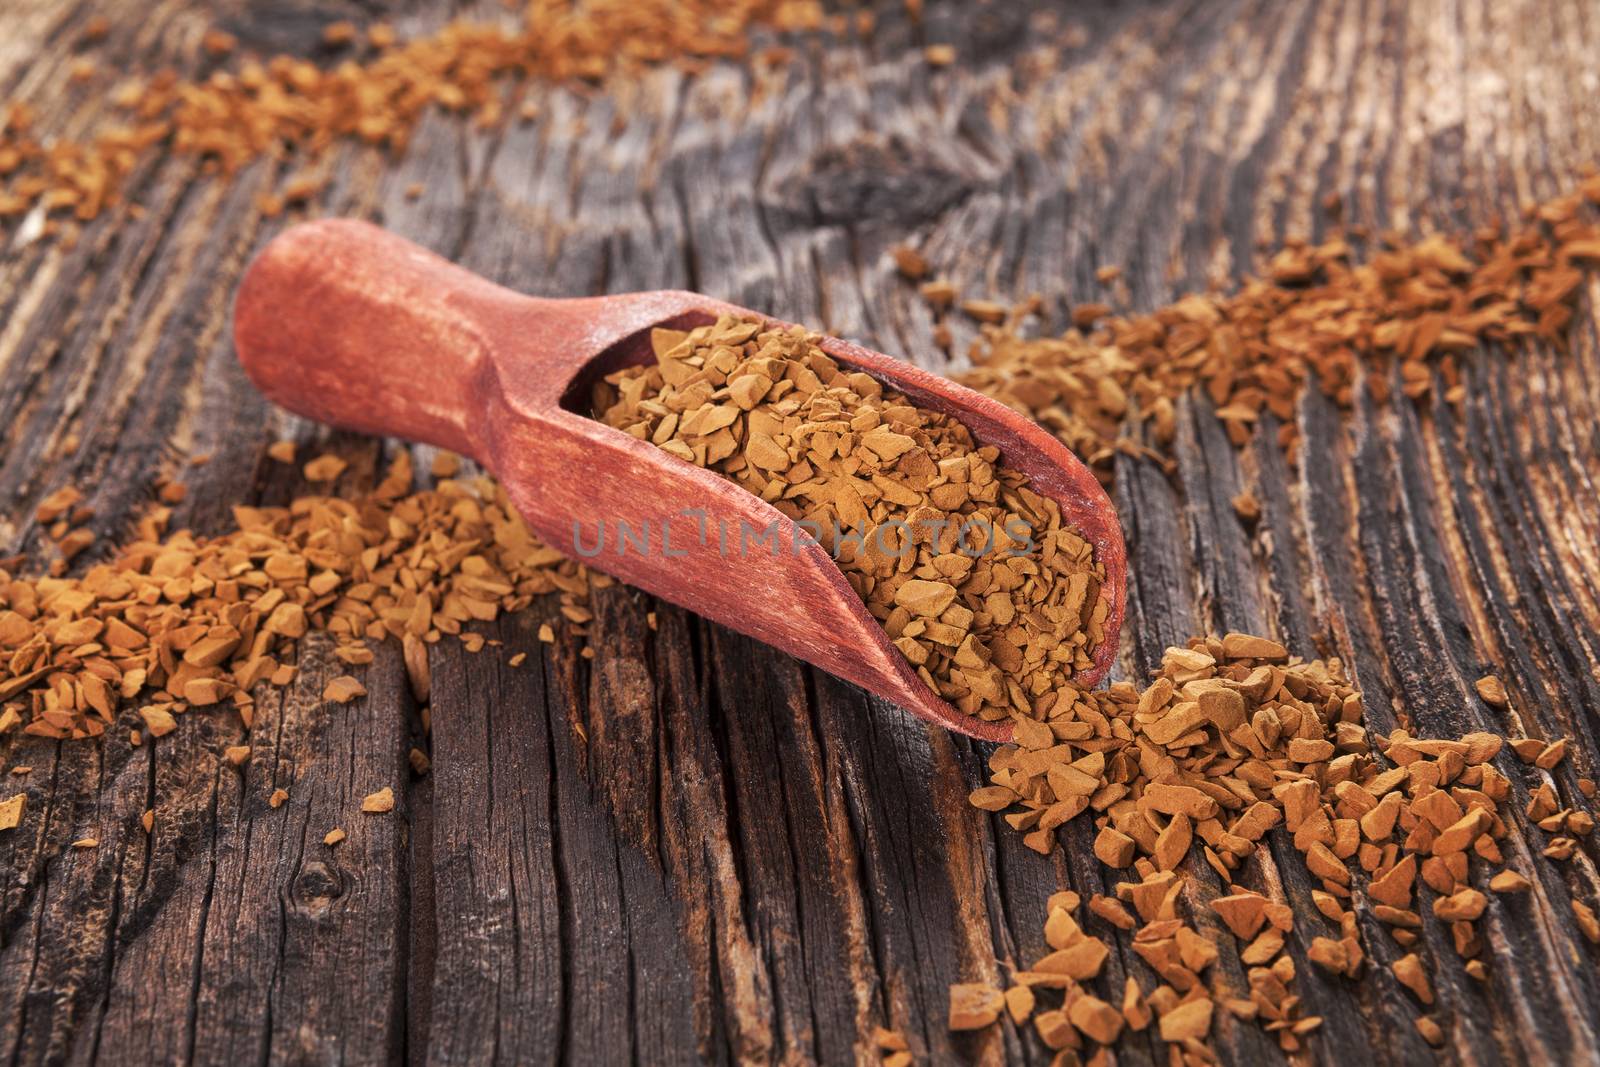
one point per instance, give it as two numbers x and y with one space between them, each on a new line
690 848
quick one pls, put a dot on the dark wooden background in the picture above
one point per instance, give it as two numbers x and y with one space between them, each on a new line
690 848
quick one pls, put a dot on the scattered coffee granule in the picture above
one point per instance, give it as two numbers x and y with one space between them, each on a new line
11 811
333 837
218 43
94 30
282 451
343 689
1509 882
339 34
324 468
909 262
894 1048
445 465
974 1006
939 294
1492 690
1233 739
972 574
1552 755
1588 922
378 803
158 720
1416 305
266 105
58 504
177 621
277 798
984 310
86 842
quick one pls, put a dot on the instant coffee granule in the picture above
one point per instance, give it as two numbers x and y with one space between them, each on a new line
175 621
266 107
1232 739
971 573
1410 313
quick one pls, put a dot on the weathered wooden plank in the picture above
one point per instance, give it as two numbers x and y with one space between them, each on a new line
278 893
736 858
495 966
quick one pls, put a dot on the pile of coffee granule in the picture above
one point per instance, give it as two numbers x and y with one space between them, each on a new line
174 622
973 575
1233 739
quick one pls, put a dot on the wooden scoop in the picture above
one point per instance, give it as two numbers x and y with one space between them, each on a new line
345 323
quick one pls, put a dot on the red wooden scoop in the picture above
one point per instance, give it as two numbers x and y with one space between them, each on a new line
342 322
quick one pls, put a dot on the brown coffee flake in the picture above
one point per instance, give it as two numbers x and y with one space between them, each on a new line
1096 1019
1242 912
1020 1002
1551 755
1586 920
1328 954
1492 690
1409 971
1189 1021
378 803
1112 911
939 294
974 1006
325 468
1113 848
984 310
909 262
158 720
339 34
1464 905
343 689
1430 1030
11 811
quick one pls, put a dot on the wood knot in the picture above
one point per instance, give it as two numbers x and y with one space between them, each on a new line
870 180
317 888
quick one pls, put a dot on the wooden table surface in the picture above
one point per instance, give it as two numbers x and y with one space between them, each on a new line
690 847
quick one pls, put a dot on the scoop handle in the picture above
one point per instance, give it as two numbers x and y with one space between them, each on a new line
343 322
346 323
